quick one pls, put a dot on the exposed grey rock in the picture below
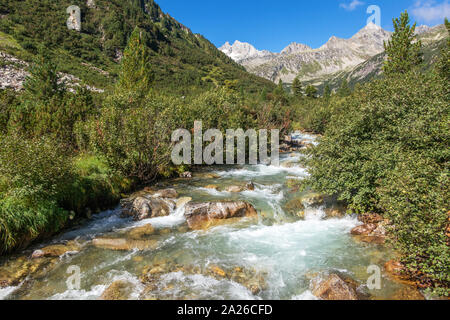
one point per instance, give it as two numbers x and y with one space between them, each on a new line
90 4
13 75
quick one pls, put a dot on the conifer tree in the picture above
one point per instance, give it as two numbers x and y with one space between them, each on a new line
43 83
344 89
403 51
297 88
327 91
135 74
311 91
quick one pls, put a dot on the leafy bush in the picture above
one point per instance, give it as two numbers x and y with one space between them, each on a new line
386 150
134 141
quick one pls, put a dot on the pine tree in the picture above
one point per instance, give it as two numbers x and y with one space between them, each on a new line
135 74
43 83
403 53
297 88
344 89
327 91
279 92
311 91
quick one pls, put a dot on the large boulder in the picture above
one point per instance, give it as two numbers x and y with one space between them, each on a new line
371 232
146 207
199 215
333 288
254 280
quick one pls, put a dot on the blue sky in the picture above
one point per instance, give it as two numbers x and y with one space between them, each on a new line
273 24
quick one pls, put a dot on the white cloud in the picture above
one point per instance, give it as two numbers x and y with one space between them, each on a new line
430 11
352 5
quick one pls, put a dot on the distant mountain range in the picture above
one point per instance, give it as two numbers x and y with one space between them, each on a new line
356 59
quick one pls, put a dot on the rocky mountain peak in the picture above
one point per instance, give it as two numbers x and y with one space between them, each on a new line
422 29
295 47
335 56
240 51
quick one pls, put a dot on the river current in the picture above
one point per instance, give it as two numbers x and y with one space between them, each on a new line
287 251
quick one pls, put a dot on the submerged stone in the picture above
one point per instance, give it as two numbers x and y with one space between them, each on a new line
121 244
141 232
118 290
56 250
234 189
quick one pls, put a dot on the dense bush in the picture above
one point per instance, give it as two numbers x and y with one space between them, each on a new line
386 150
34 176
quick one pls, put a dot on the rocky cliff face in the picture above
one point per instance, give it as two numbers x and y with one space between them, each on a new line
359 57
299 59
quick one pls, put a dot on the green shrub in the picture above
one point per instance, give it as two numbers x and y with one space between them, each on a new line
386 150
34 176
134 141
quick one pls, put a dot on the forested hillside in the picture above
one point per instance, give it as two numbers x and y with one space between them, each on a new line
180 60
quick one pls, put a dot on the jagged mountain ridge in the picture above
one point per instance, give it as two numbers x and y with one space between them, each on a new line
334 58
433 40
299 59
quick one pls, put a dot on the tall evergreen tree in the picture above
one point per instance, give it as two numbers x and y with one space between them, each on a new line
279 92
136 74
344 89
327 91
297 88
43 83
311 91
404 53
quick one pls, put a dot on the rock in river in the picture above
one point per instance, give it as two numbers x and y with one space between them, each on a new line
121 244
200 215
333 288
364 230
141 232
146 207
118 290
166 193
56 250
